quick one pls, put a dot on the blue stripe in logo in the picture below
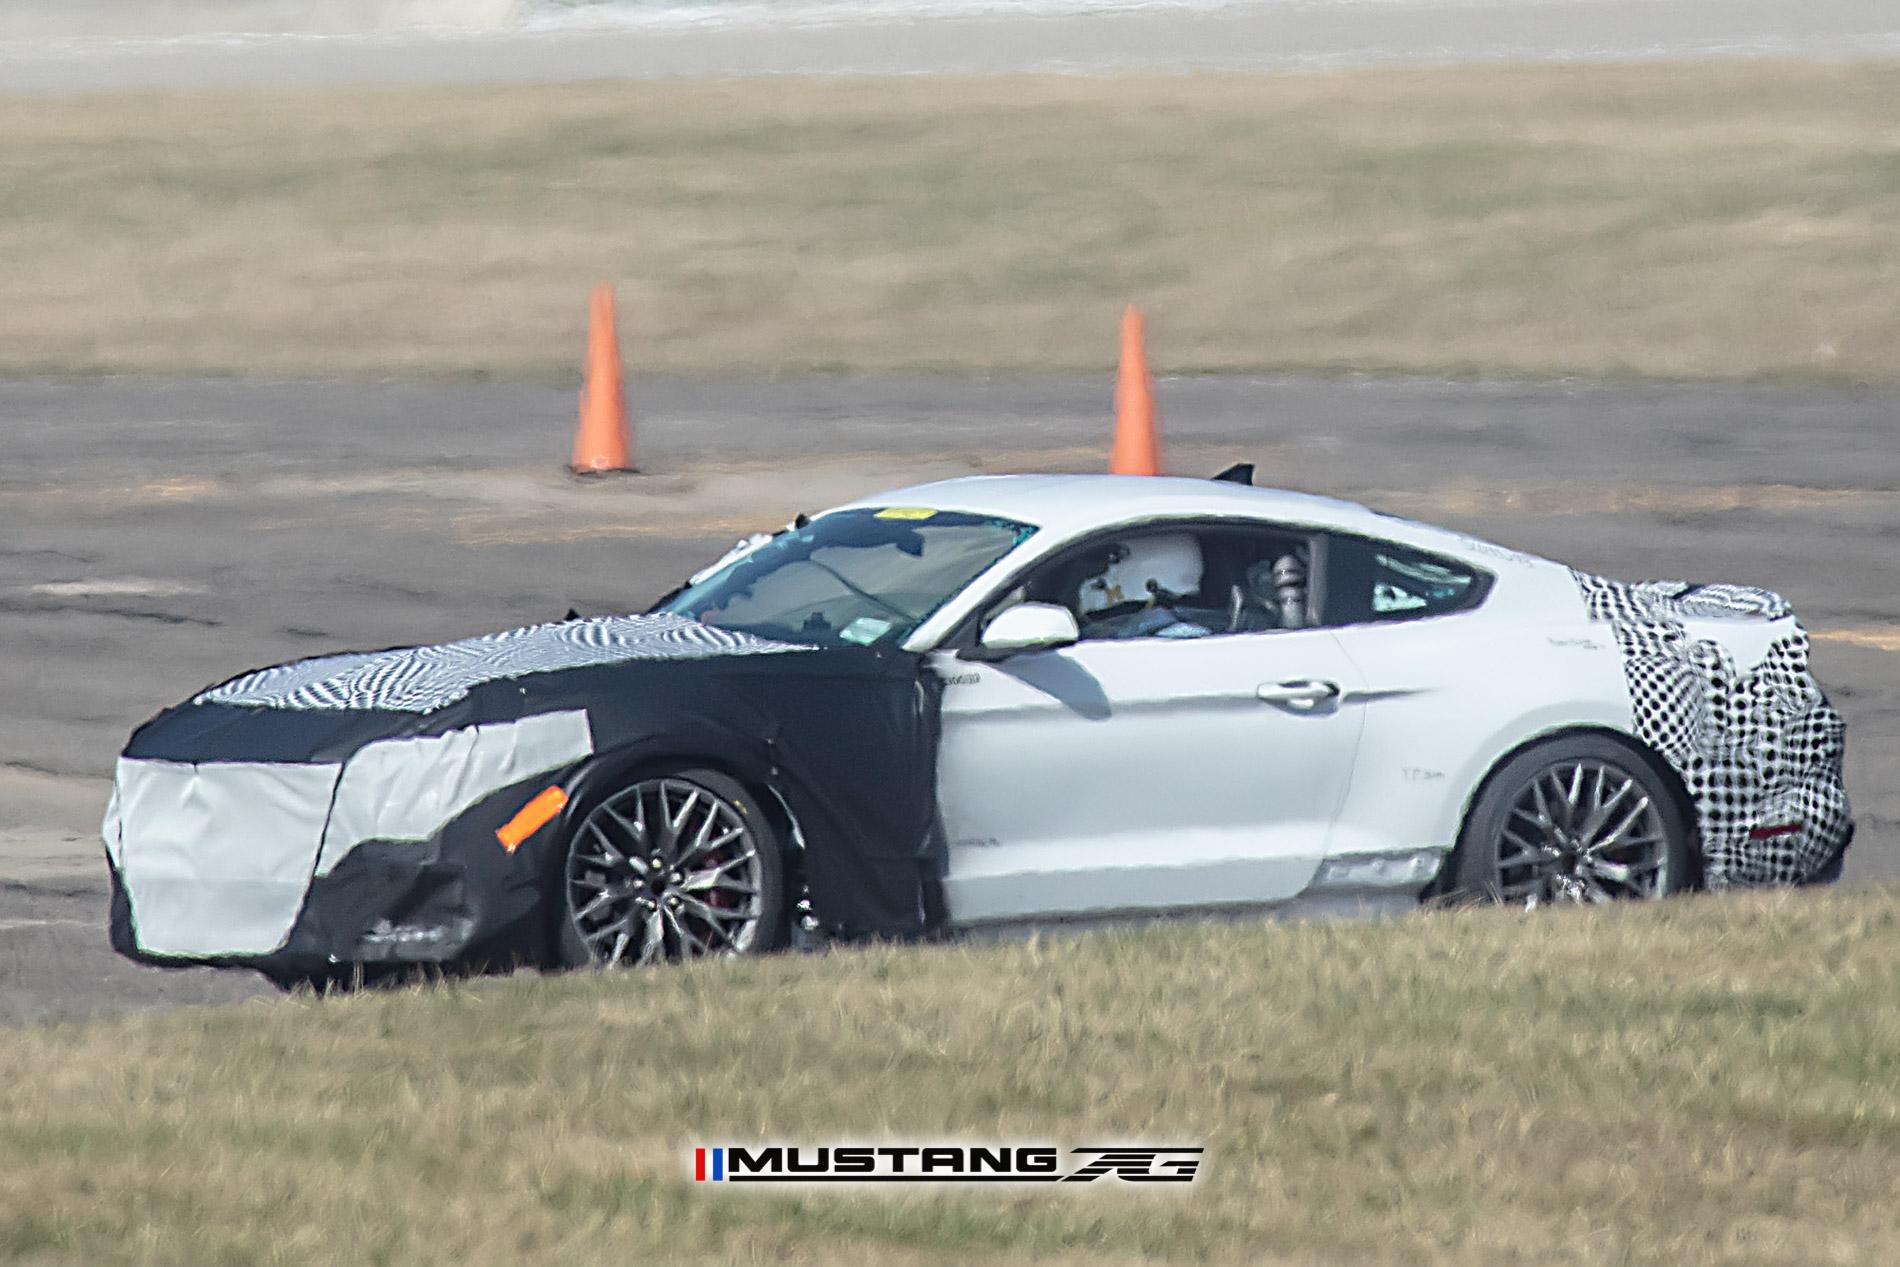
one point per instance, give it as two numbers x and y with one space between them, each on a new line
719 1164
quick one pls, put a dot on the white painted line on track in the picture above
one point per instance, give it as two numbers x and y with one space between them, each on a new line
114 587
1877 639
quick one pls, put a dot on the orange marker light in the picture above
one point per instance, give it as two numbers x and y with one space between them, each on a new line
532 818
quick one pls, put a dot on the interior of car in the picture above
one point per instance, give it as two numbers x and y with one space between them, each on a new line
1191 581
1178 582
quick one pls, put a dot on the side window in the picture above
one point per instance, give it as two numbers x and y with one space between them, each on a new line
1176 581
1368 581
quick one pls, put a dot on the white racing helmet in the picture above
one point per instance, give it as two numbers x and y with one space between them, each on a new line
1145 569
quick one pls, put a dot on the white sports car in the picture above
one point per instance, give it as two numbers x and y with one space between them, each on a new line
990 702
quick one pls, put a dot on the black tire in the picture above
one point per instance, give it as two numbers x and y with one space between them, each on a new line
1518 820
662 897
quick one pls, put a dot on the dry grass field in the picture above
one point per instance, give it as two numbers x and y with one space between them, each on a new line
1729 220
1711 1081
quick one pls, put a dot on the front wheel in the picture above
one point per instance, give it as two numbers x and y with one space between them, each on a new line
673 866
1577 819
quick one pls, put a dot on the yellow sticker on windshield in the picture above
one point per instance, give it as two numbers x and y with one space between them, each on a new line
906 512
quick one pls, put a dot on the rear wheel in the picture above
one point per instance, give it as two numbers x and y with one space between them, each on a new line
1575 820
674 866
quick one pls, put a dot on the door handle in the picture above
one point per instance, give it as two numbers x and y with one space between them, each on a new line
1303 693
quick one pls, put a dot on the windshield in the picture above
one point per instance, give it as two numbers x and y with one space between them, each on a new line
858 577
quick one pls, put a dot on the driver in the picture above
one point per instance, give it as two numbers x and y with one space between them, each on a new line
1137 591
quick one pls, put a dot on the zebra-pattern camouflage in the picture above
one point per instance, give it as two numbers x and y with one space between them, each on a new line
1755 748
422 679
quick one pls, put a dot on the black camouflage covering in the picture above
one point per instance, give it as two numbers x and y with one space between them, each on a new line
846 737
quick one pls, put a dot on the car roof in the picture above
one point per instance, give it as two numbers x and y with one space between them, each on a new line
1065 507
1066 504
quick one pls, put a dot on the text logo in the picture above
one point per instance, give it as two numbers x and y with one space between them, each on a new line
943 1163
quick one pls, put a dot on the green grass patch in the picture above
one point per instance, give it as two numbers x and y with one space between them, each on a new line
1708 1081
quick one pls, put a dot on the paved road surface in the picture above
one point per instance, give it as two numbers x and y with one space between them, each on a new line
1247 36
160 536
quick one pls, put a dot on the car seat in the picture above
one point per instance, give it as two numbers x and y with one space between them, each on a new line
1272 595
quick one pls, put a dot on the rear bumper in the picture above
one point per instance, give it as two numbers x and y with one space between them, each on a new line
1830 871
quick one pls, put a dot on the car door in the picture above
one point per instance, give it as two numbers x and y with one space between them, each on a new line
1143 774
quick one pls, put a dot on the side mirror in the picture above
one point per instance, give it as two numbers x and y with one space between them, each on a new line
1028 627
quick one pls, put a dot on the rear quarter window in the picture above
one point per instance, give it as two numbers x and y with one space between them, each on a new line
1376 581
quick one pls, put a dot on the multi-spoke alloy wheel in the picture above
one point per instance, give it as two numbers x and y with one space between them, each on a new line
671 867
1577 820
1583 831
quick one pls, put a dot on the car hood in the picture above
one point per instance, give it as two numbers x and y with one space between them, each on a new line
424 679
327 707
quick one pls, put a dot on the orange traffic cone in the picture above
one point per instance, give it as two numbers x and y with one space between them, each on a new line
602 443
1137 448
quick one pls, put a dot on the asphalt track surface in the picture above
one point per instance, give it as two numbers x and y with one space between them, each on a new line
159 536
1251 35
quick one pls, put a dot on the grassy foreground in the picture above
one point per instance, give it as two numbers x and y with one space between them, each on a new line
1734 219
1712 1081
